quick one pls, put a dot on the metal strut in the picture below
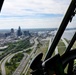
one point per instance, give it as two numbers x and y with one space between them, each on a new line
68 17
1 3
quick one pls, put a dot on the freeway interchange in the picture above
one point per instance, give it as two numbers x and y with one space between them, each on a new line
25 62
22 63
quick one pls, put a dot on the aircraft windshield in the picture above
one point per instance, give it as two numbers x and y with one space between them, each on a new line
27 28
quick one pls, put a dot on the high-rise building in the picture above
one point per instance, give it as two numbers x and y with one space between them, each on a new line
12 33
19 32
12 30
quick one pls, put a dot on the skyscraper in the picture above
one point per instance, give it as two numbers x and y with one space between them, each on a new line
19 32
12 30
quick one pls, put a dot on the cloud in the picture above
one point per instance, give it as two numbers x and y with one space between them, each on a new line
32 7
33 13
29 23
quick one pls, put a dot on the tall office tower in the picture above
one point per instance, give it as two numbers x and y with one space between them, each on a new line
19 32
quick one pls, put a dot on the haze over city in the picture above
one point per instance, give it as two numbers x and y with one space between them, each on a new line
33 13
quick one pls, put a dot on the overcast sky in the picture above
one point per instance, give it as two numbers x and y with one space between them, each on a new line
33 13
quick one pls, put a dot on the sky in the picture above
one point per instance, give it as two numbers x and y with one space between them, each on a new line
33 14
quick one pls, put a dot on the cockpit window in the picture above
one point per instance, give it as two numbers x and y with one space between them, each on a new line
28 28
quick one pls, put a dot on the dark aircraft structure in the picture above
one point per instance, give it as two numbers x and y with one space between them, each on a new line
1 3
56 65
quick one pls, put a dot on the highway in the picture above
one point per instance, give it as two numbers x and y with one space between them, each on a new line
21 66
8 58
66 44
25 60
28 65
3 66
56 50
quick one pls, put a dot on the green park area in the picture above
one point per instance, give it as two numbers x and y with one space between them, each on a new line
61 47
28 51
15 47
74 46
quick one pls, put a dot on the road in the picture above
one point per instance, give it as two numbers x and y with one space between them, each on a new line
24 61
8 58
28 65
56 50
21 66
66 44
50 42
3 66
32 54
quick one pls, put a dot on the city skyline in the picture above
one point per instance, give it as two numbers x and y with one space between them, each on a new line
33 14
